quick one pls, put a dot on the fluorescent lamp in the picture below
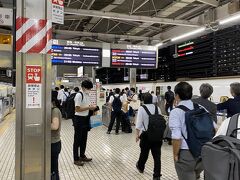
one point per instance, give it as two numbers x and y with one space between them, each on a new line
189 34
230 19
159 44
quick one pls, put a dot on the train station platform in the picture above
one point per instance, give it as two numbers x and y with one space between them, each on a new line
114 156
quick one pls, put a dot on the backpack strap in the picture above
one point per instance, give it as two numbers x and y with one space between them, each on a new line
195 106
182 107
148 112
156 110
233 124
65 94
146 109
81 94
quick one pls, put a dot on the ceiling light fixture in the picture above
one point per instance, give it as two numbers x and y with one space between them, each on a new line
189 34
159 44
230 19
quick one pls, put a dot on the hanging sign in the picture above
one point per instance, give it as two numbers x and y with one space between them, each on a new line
93 97
6 17
33 87
58 11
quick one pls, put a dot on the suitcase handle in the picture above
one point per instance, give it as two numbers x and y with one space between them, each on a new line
234 133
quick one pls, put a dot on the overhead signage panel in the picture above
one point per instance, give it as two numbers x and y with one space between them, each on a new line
134 56
75 53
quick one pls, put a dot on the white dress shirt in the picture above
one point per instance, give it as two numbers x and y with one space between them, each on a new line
64 96
224 127
60 94
143 118
177 123
124 97
82 102
112 99
154 99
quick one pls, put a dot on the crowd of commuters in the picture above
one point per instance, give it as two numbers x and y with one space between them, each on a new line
145 107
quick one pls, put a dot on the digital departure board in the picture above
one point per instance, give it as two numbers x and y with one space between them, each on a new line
76 54
133 58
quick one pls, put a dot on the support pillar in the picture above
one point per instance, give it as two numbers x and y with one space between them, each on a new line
133 78
33 93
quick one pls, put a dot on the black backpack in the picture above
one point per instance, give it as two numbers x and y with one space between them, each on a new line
70 105
117 104
156 126
170 97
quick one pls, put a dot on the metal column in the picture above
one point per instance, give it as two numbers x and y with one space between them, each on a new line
33 135
133 77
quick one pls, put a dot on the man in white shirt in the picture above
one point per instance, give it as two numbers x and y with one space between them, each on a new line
116 104
81 123
63 102
60 93
60 97
155 98
187 167
224 128
145 145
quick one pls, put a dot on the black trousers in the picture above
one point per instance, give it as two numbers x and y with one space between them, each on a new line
155 148
168 106
55 151
81 129
118 117
64 110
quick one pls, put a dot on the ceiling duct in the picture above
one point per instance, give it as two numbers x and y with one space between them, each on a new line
233 7
170 9
102 35
126 17
209 16
108 8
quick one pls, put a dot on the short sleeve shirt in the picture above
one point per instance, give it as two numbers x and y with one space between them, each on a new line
143 118
82 102
55 134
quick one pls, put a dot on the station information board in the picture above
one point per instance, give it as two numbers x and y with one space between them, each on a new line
134 57
76 54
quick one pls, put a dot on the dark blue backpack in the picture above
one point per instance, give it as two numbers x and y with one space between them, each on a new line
200 128
117 104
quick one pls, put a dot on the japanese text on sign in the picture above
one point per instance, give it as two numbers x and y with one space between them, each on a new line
33 96
58 11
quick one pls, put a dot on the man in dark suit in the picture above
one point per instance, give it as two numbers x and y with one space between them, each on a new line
206 91
232 105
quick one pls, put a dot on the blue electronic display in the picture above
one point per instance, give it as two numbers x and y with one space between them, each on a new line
76 55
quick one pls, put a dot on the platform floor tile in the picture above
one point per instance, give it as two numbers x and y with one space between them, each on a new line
114 156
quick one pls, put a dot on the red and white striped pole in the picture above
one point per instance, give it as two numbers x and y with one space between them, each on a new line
33 89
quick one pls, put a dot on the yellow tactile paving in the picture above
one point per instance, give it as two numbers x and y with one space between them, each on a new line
4 125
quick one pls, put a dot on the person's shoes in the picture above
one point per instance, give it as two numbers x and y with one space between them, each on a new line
169 142
156 178
78 163
139 170
116 133
85 159
108 132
